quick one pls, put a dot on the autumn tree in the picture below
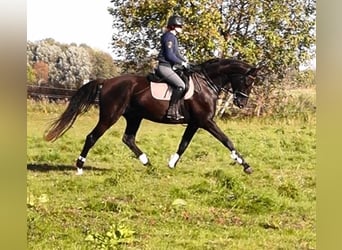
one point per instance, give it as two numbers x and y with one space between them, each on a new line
41 70
67 65
278 34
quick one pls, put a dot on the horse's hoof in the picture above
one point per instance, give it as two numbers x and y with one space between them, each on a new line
248 170
143 159
173 160
79 171
149 164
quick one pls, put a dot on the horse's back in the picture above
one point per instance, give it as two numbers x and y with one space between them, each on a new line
131 80
123 86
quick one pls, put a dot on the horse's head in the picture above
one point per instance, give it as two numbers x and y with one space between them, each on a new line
241 85
232 75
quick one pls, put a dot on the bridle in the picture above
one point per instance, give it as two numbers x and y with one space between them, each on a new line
237 92
216 89
210 82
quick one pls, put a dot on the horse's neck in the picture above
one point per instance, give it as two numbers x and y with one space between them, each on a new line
202 78
217 79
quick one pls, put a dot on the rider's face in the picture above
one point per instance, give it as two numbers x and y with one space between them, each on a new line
178 29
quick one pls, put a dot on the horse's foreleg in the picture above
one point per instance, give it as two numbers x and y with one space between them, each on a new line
213 129
91 139
129 138
186 138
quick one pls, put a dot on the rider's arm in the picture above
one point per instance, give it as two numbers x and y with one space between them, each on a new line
170 46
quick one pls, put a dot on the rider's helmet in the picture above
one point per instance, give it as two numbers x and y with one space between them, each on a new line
175 21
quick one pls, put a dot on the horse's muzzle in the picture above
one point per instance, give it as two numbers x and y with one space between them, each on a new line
240 99
238 104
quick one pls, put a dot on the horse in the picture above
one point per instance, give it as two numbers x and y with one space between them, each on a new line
129 95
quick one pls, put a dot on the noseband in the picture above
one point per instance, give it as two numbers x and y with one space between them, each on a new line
238 93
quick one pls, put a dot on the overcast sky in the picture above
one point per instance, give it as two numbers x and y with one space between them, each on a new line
68 21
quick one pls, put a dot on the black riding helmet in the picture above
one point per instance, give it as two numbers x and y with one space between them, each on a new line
175 21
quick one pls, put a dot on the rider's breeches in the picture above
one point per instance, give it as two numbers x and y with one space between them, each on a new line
171 77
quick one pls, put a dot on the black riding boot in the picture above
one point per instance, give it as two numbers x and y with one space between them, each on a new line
172 112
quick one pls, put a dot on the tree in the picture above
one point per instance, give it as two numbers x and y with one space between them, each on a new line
76 67
279 34
103 64
30 75
41 70
68 65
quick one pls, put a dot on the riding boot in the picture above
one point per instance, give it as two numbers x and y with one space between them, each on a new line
172 112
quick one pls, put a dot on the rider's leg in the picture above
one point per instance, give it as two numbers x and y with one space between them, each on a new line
172 112
178 90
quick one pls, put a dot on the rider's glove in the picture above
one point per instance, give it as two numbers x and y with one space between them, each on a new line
185 65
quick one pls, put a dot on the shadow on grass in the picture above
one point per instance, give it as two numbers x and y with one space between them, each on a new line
47 168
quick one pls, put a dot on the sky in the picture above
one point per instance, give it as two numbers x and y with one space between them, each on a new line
74 21
71 21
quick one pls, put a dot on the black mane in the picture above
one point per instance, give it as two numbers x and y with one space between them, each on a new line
221 68
225 61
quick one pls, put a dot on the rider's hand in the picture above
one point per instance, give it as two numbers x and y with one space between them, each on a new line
186 65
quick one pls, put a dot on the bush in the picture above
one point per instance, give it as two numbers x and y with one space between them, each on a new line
30 75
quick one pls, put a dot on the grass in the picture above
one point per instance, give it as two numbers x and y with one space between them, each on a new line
207 202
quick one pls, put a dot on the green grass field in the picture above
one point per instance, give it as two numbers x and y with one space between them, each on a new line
207 202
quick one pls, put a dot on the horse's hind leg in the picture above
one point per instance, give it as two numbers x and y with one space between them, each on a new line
91 139
128 138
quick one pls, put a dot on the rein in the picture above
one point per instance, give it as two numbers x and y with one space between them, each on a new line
216 89
203 74
210 83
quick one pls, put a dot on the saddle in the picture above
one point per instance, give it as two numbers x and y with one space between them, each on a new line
160 90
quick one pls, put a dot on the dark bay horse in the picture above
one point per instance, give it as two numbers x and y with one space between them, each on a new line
130 96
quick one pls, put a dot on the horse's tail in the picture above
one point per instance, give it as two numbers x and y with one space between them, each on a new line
79 103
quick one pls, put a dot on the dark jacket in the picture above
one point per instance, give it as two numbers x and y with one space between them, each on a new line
169 53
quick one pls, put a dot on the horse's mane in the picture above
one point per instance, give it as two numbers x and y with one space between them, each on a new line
225 61
221 65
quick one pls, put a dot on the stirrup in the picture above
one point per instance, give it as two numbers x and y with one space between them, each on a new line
180 117
175 117
173 113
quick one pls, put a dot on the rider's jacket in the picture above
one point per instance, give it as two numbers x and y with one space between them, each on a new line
169 54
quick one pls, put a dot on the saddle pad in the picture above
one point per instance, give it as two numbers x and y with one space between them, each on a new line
162 91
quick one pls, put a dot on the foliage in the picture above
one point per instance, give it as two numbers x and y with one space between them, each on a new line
269 100
116 235
143 67
278 34
305 78
69 65
207 202
30 75
103 65
41 70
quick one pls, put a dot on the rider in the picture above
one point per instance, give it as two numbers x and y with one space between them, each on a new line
168 57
